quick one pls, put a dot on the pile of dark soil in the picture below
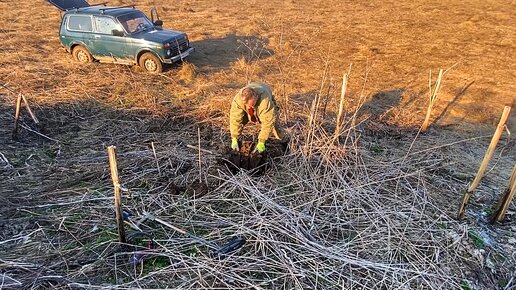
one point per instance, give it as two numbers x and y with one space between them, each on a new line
253 161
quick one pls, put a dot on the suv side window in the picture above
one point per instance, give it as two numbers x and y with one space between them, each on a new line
80 23
105 25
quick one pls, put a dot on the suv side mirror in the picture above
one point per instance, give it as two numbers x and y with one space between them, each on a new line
116 32
158 23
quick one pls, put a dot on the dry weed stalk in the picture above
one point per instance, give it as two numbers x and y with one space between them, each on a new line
485 161
433 91
505 199
311 122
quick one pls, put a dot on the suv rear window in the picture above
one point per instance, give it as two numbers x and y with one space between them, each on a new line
80 23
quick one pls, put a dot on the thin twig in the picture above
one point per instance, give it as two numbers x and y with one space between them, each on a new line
40 134
155 157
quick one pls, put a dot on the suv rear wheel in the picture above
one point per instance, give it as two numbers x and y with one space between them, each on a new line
81 54
151 63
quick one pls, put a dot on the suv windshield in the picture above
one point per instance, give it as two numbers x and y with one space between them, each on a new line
135 22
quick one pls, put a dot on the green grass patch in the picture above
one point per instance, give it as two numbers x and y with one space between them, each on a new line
464 285
103 237
160 262
73 219
502 282
376 149
490 211
192 252
155 264
443 226
52 152
477 240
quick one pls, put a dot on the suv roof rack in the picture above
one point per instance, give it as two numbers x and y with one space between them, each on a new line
92 5
99 4
116 7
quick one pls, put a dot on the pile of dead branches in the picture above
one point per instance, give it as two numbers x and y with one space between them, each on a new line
327 215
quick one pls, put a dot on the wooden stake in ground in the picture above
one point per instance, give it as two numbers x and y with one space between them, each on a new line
485 162
32 115
17 115
505 199
200 160
310 125
118 206
433 98
338 125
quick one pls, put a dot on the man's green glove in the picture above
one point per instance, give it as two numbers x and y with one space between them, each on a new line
234 144
260 147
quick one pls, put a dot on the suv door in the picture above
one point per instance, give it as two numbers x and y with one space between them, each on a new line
133 22
106 43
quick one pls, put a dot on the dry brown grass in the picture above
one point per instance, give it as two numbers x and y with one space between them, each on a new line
187 72
372 214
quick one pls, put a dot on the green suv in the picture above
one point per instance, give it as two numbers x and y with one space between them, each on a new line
119 35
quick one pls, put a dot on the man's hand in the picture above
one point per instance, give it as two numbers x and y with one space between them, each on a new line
234 144
260 147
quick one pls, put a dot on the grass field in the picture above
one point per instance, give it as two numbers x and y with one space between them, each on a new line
375 210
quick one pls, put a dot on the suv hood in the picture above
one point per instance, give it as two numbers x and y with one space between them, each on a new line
159 35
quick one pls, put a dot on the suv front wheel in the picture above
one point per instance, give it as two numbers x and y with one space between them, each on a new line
151 63
81 54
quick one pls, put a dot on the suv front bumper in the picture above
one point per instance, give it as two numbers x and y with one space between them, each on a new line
179 56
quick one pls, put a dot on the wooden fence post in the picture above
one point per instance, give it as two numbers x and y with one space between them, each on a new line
338 125
33 116
116 184
310 128
17 115
485 161
505 199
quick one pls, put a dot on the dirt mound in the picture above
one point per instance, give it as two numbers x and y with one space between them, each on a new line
252 161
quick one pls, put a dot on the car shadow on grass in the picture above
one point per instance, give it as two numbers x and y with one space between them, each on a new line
220 53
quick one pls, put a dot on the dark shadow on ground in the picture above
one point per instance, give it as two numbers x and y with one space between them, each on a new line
219 53
68 137
57 176
382 102
456 99
67 149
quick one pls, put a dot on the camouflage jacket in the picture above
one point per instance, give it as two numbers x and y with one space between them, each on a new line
266 112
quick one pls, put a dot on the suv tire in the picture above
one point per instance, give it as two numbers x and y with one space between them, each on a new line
81 54
150 63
